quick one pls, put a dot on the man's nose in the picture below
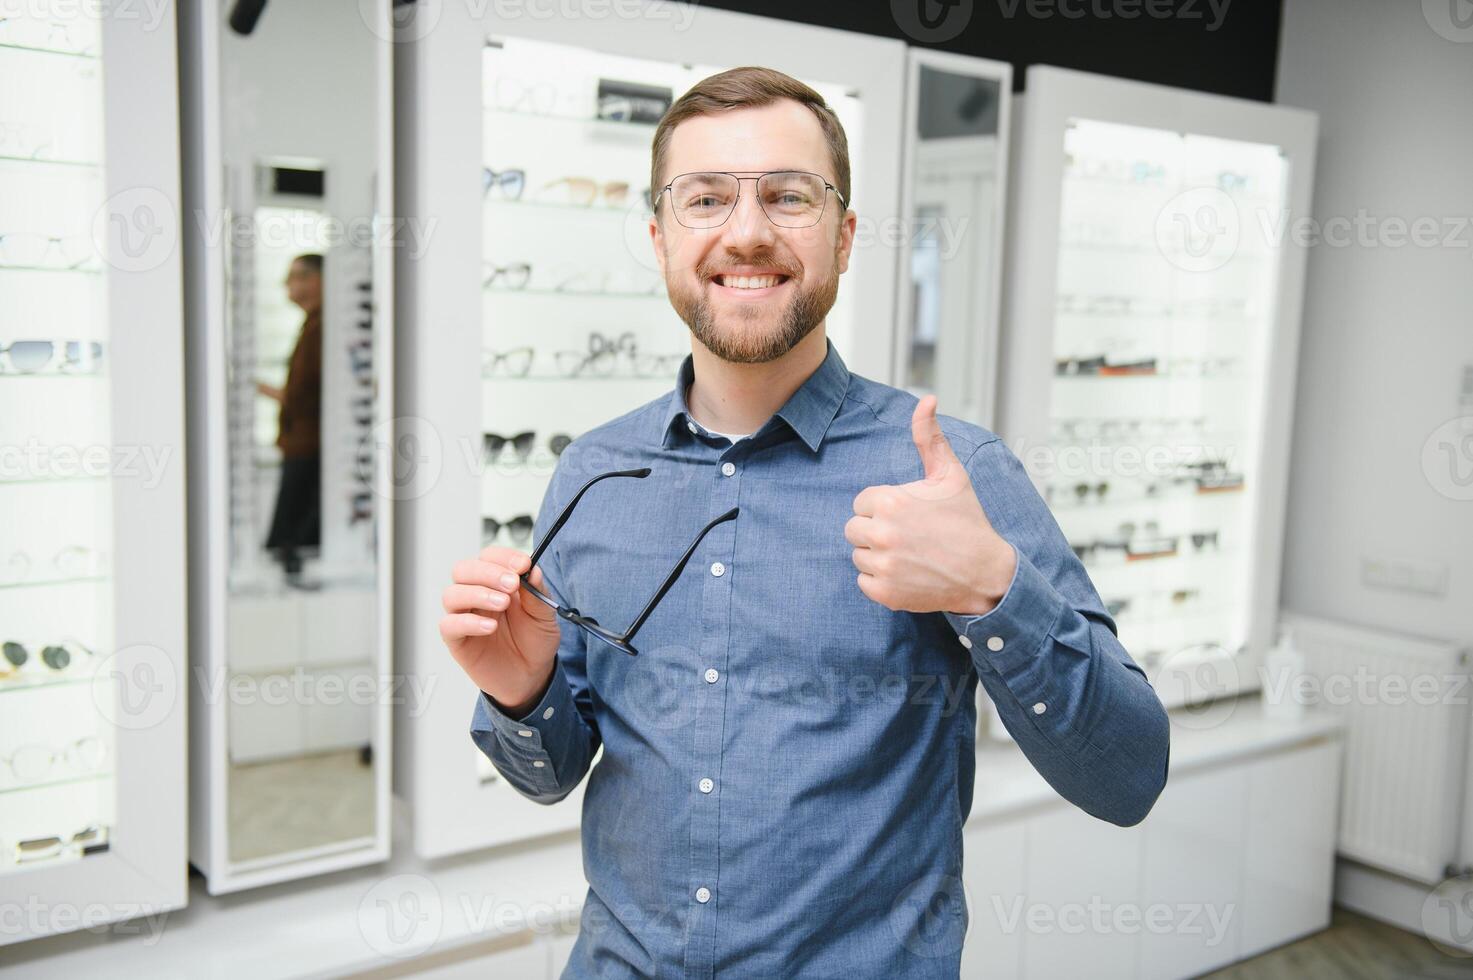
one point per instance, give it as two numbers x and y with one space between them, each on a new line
748 223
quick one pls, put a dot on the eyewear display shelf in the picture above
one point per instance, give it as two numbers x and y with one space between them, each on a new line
1148 370
92 804
531 140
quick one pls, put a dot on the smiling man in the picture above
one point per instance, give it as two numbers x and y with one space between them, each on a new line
789 758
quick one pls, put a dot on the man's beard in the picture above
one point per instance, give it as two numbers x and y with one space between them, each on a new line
805 310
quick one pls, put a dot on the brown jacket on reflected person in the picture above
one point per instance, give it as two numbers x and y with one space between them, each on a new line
300 425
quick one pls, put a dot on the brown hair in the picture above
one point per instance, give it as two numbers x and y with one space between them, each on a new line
745 87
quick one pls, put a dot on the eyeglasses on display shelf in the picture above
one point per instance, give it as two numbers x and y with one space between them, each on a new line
57 789
1157 358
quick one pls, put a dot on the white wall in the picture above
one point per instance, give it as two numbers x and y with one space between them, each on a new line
1388 330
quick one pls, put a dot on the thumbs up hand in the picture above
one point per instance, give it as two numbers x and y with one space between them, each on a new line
927 546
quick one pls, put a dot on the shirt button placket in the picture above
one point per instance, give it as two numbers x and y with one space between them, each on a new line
724 485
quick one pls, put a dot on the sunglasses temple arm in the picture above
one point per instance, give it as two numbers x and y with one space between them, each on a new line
562 519
675 572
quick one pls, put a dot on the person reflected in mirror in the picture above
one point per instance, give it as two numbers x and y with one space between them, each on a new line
297 522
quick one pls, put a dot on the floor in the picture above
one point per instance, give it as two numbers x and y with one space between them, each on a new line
1353 948
309 801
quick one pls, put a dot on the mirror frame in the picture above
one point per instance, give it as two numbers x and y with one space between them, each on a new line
978 405
206 196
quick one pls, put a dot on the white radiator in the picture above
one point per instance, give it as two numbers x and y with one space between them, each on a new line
1405 702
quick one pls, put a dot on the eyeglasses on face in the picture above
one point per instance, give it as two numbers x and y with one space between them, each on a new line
590 625
789 198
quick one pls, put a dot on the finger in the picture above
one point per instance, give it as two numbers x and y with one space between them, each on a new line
859 531
533 606
510 558
936 454
870 586
471 598
460 626
473 571
866 561
867 502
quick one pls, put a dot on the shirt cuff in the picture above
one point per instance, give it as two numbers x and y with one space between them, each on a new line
1008 637
537 737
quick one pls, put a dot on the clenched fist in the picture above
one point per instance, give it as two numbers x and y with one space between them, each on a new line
502 636
928 546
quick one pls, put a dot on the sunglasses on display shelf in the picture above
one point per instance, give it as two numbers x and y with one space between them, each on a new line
510 183
35 356
85 841
57 656
518 529
620 641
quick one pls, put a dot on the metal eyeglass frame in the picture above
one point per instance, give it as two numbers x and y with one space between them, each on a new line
588 623
740 176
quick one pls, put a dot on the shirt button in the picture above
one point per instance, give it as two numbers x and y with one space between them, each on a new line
703 894
691 426
727 469
1039 708
547 713
711 675
994 643
707 786
718 569
538 764
966 640
524 733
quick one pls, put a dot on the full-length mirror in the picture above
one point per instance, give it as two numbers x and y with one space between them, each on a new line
298 667
955 179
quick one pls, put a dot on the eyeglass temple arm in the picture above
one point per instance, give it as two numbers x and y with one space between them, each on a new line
562 519
675 573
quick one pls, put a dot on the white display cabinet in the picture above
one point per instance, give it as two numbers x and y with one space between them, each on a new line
289 163
957 117
547 306
1149 358
92 713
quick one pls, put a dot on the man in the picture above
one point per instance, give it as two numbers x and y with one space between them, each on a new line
789 759
297 521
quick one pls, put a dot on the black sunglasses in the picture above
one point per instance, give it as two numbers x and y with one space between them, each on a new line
588 623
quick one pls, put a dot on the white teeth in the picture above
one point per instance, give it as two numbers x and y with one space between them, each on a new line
750 282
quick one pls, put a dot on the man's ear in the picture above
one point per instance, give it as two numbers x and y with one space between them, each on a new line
847 226
657 239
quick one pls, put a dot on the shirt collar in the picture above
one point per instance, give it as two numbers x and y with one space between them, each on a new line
808 412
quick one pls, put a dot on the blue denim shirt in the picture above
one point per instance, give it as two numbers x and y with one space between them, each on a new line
787 764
